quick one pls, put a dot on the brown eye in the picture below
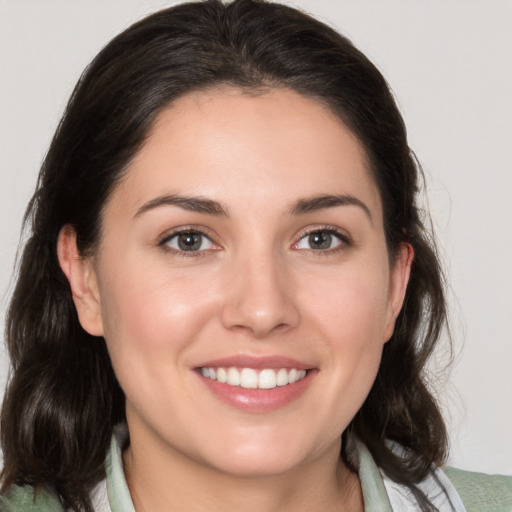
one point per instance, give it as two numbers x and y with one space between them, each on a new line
189 241
321 240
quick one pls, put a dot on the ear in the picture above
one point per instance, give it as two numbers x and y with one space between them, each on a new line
82 280
399 278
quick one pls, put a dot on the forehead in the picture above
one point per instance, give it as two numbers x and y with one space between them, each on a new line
249 149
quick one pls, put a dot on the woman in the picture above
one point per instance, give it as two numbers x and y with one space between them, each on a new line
234 297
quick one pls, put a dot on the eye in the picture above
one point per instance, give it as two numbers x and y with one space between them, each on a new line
322 240
188 241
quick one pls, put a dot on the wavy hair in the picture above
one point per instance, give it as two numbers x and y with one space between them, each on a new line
63 399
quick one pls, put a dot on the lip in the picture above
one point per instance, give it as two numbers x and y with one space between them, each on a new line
256 362
257 400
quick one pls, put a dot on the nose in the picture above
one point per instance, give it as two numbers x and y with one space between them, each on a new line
259 298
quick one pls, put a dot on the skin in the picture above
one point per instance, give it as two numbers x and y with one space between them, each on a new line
256 287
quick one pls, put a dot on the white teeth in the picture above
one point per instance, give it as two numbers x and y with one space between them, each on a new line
222 375
233 377
267 379
282 377
250 378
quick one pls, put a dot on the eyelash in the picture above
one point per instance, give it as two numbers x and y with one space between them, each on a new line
344 240
162 243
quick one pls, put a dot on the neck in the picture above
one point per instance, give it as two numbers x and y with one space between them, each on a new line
164 479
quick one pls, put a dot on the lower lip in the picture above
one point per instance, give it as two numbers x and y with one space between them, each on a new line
258 400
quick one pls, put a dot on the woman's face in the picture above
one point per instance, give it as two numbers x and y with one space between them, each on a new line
243 250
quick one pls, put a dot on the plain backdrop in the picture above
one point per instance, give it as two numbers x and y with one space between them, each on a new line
450 66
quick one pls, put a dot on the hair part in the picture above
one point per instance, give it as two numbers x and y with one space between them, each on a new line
63 398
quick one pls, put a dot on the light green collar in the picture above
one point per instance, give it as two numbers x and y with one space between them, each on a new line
374 492
117 488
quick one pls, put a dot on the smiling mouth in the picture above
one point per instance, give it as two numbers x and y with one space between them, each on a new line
250 378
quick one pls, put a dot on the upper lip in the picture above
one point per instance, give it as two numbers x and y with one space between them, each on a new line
256 362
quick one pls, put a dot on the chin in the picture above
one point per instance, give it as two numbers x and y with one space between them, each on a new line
265 465
268 457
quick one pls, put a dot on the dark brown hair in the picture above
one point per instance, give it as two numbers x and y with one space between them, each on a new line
63 399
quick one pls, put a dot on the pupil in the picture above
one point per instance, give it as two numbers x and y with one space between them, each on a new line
189 241
320 240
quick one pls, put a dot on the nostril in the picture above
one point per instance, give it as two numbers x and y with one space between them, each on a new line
258 300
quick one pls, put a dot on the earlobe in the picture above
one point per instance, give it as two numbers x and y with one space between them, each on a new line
400 273
82 279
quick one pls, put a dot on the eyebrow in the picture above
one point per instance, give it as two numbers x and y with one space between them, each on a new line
321 202
211 207
193 204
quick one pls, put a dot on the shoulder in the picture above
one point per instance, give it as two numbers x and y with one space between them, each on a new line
27 499
481 492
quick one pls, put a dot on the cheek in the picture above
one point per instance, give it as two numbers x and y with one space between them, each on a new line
150 313
351 305
348 312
